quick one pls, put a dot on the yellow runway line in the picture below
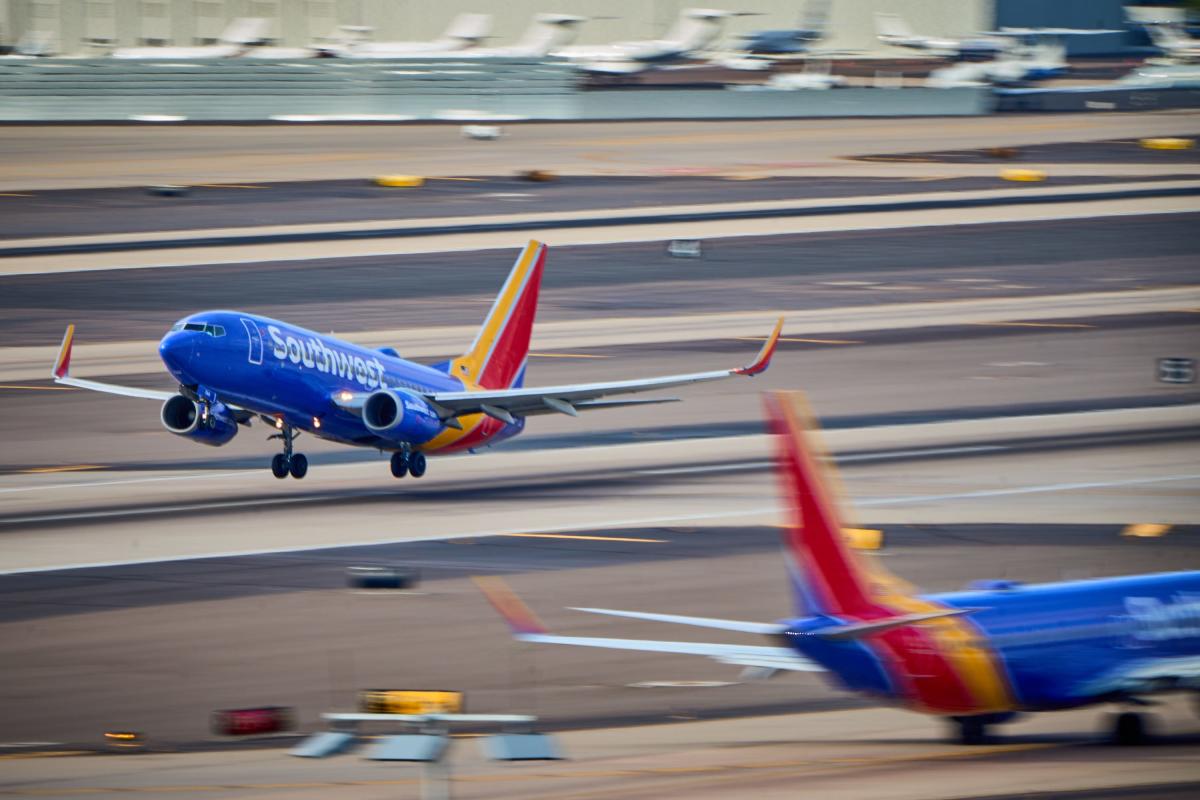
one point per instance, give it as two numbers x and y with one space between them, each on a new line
579 536
14 194
794 339
68 468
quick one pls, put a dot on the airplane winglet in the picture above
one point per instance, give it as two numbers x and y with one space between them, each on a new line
62 365
520 618
763 360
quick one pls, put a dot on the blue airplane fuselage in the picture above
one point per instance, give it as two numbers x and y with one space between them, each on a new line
1052 646
292 374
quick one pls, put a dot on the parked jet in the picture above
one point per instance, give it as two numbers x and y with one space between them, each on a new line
464 31
1036 54
893 30
239 37
791 41
975 657
694 30
232 367
546 33
1174 42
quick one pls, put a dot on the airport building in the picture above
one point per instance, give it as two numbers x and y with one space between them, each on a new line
88 27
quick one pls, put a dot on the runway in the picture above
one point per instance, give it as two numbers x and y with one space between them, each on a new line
988 380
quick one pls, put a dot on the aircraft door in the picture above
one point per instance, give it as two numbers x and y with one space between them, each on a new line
255 354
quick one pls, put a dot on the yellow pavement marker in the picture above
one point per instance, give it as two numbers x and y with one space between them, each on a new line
400 181
1146 530
1168 144
1022 175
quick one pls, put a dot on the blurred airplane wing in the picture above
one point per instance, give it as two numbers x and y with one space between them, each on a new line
526 627
506 404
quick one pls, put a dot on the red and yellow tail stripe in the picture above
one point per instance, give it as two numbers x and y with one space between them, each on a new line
941 666
520 617
763 360
62 365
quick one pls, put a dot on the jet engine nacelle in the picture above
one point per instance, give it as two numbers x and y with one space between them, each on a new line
183 416
400 416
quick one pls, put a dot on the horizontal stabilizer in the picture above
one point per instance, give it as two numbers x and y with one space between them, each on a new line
735 654
766 628
859 630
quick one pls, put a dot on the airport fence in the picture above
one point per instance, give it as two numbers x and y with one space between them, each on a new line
248 90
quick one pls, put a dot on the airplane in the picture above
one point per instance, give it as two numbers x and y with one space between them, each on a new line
240 37
790 41
546 33
893 29
977 658
1174 42
1037 54
233 366
465 31
695 29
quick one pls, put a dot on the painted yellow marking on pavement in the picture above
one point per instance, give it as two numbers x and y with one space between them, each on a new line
1146 530
45 754
14 194
566 355
66 468
38 388
1033 324
794 339
579 536
228 186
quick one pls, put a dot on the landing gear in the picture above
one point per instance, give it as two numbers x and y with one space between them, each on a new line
1129 728
399 464
405 462
287 462
971 730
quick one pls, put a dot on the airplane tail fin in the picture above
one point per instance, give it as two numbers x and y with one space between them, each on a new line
815 16
697 28
244 31
828 576
470 29
496 359
549 32
892 25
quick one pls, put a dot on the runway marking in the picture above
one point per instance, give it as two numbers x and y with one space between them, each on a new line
581 536
68 468
757 511
15 194
45 754
710 468
1032 324
847 459
566 355
805 341
38 388
1146 530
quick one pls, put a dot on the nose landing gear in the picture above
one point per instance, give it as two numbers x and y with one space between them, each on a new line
288 462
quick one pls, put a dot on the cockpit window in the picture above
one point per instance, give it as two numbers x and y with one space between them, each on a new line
200 327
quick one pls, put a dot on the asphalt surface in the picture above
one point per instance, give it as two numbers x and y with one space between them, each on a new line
160 646
134 209
1118 151
817 270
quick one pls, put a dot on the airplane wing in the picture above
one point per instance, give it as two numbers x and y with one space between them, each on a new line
506 404
526 627
62 369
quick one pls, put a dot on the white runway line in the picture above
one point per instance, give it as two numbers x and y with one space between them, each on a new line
628 523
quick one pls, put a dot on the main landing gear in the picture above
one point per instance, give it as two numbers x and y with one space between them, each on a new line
287 462
1130 728
971 730
406 462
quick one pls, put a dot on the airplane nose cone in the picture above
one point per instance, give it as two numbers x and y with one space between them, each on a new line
174 349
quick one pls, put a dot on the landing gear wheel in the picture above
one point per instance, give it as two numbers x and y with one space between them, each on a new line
399 464
971 730
416 464
1129 728
299 466
279 466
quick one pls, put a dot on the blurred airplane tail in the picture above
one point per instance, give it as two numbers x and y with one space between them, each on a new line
827 576
468 28
815 16
892 25
548 33
496 359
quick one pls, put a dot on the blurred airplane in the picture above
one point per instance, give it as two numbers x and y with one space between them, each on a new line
791 41
546 33
232 367
1174 42
238 38
1037 54
694 30
976 658
892 29
464 31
